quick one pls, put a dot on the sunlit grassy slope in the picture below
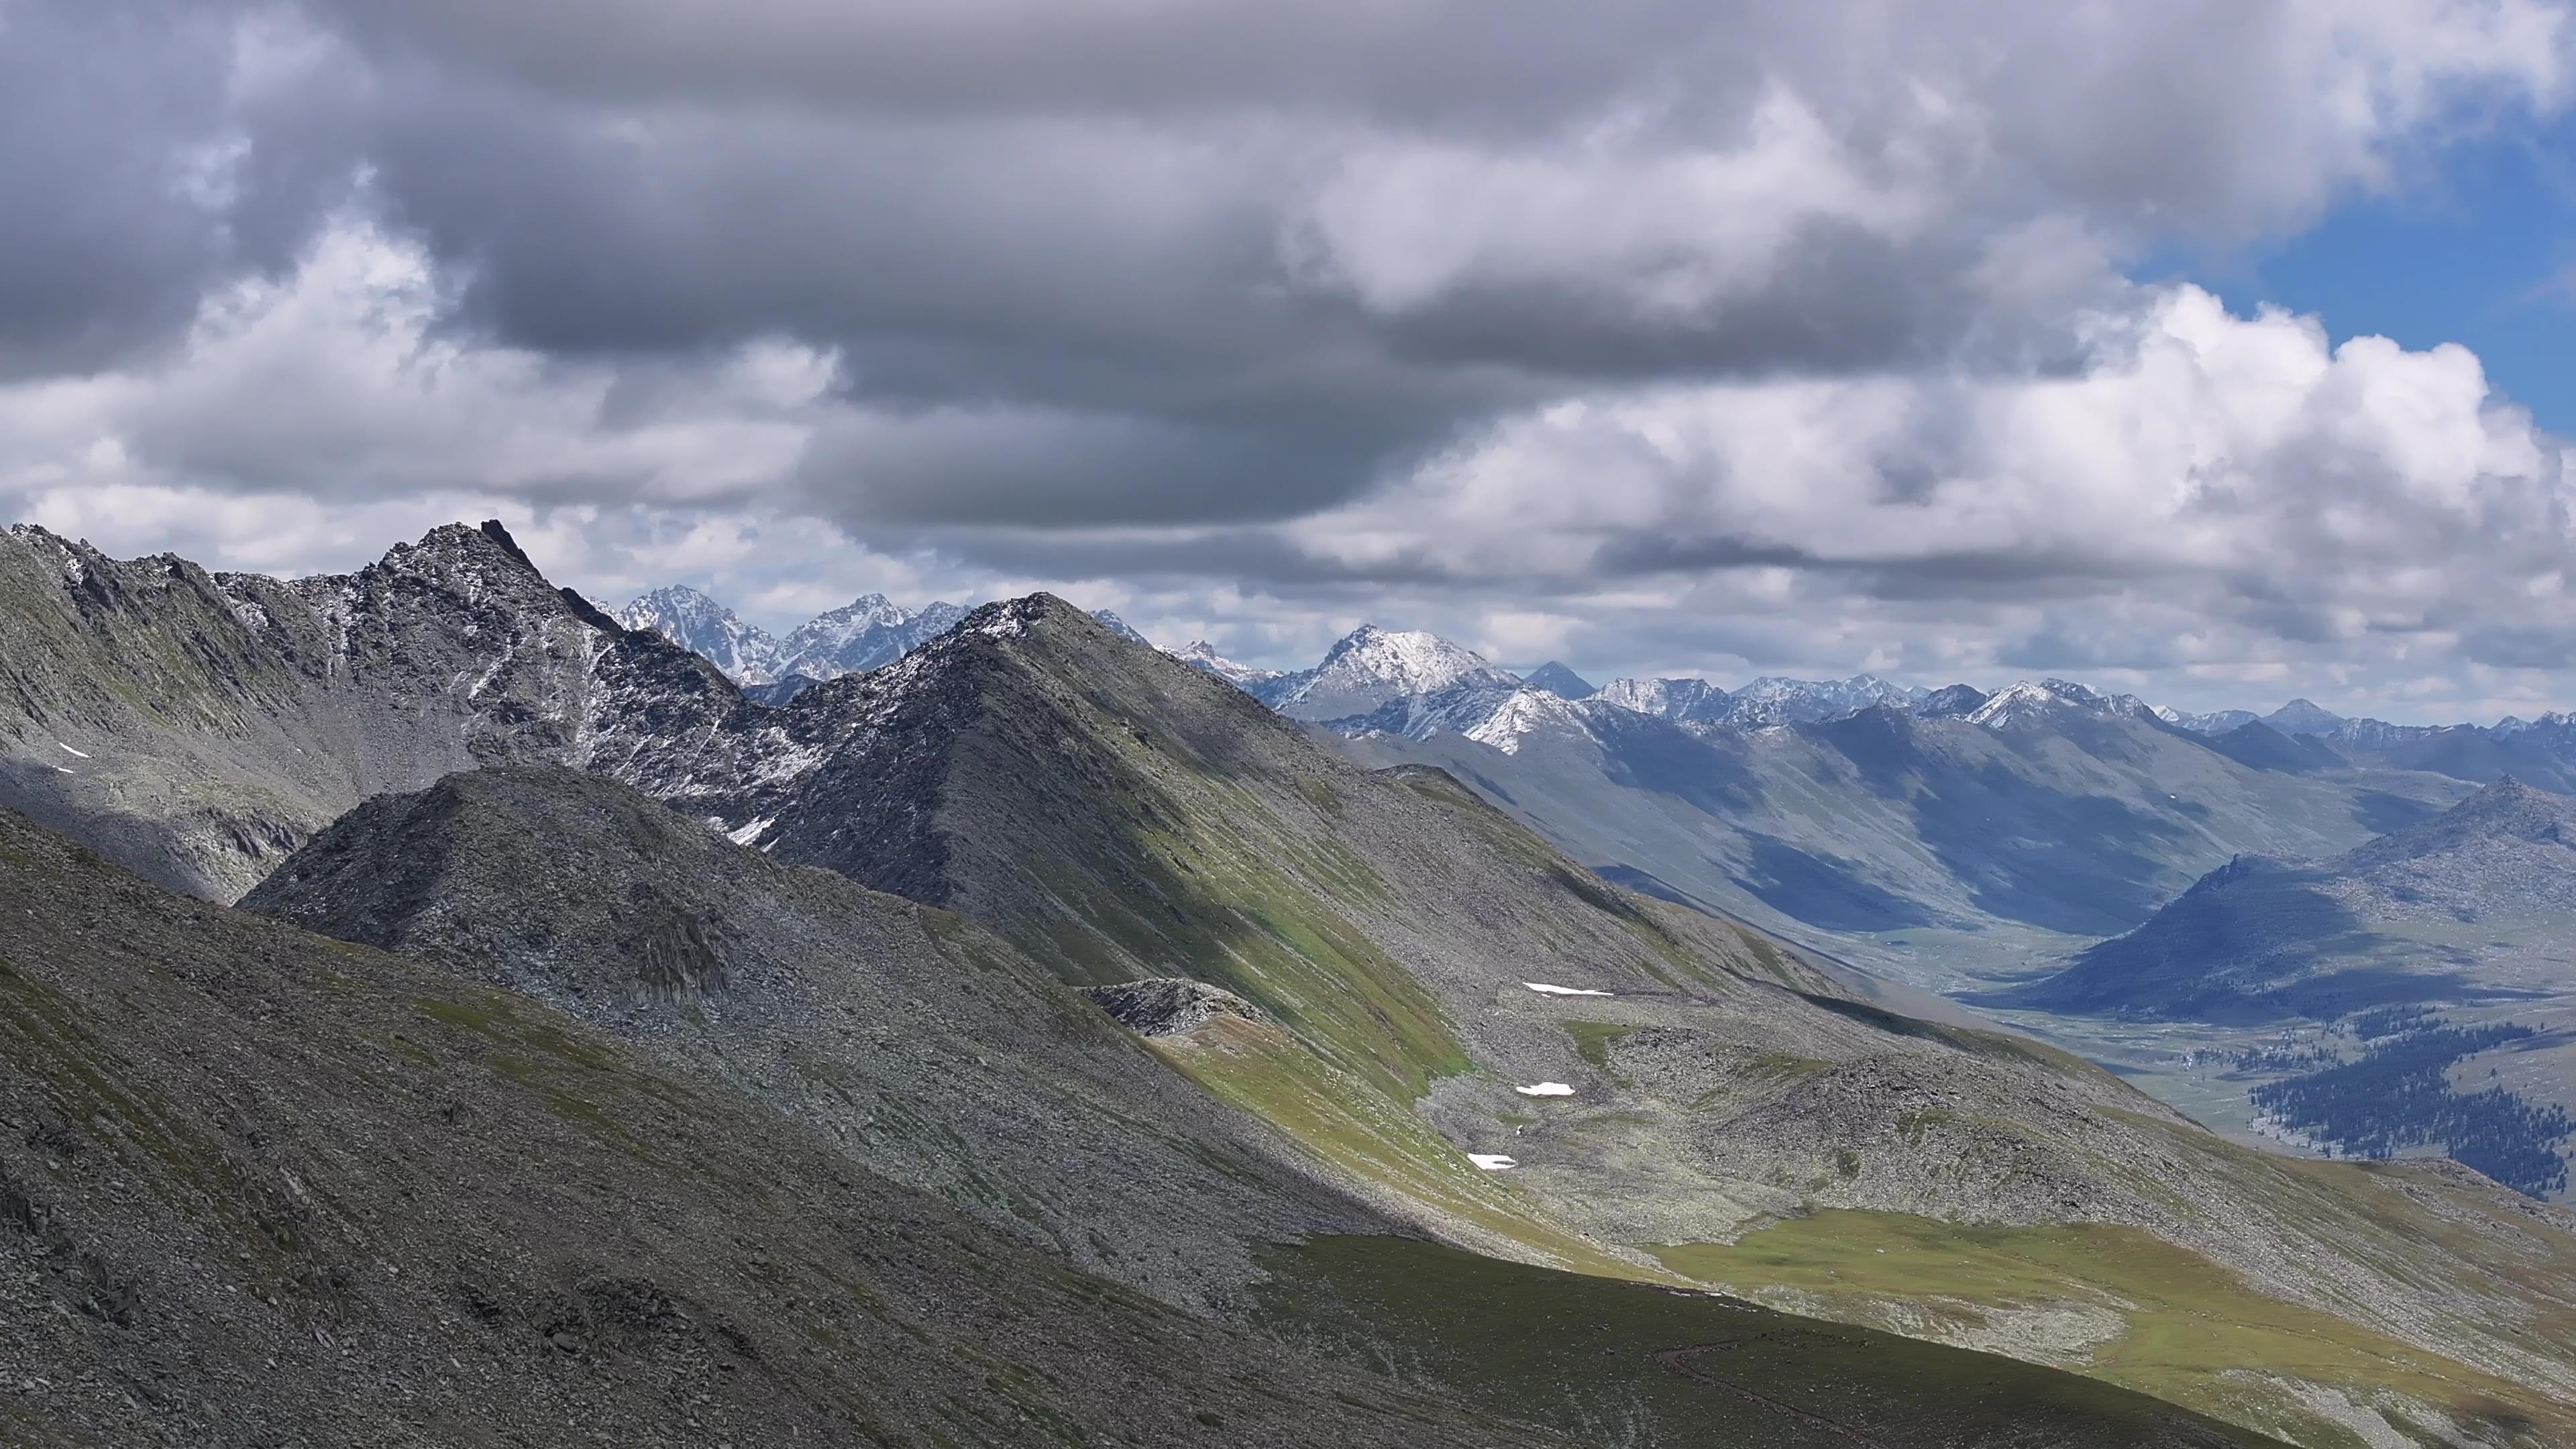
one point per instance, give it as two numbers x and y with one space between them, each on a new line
2181 1327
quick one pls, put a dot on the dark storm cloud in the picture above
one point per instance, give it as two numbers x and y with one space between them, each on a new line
105 247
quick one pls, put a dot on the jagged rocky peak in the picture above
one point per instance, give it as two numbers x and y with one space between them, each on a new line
479 569
746 653
1121 628
465 553
867 633
73 560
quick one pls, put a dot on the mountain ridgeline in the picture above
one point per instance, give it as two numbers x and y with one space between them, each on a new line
1084 959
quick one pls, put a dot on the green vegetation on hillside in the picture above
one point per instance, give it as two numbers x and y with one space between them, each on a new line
2188 1331
1636 1364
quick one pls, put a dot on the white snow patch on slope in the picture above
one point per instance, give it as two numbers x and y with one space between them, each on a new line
1544 989
68 750
66 769
1492 1161
1545 1089
751 832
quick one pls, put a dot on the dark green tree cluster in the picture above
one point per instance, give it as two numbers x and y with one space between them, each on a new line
2397 1095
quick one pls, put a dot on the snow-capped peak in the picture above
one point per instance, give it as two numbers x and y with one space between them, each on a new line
1772 700
2027 702
1419 661
1371 666
867 633
1673 699
848 622
2021 702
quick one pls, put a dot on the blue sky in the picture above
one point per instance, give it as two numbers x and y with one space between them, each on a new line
2476 245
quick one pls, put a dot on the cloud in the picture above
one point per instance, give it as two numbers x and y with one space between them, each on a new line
1720 336
2241 461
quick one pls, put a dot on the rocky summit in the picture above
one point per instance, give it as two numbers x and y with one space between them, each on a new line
1039 1038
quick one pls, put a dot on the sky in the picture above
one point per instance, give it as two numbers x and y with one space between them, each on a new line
2212 351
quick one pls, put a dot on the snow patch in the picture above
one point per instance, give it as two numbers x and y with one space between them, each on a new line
66 769
1492 1161
751 832
1544 989
1545 1089
68 750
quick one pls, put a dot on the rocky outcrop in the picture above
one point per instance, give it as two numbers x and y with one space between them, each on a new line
1170 1005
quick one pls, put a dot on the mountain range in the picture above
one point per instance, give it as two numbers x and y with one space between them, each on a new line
868 633
1306 1099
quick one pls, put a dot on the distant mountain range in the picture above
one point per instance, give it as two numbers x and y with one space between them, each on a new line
1443 685
868 633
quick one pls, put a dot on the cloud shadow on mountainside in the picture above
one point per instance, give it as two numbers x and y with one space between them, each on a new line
2383 813
160 851
2337 994
1650 754
2067 863
1821 890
